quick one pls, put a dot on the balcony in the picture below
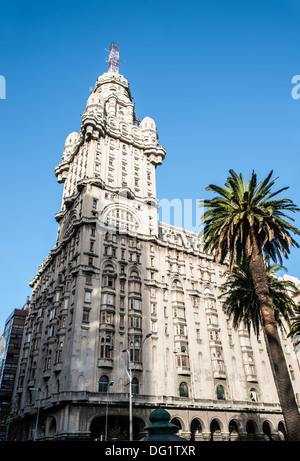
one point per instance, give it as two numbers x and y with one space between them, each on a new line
183 370
105 363
251 378
107 327
219 374
215 343
57 367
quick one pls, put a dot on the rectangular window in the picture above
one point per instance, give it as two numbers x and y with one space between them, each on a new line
87 296
107 317
108 281
154 326
121 321
109 299
85 316
135 355
153 308
135 304
88 279
105 352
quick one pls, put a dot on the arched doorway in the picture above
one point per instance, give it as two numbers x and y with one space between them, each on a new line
196 430
282 431
251 429
52 428
267 431
215 431
233 431
117 428
177 423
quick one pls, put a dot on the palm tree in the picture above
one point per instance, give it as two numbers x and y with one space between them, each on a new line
240 302
295 327
246 222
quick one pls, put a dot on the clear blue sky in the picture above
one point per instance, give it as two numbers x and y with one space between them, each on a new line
214 75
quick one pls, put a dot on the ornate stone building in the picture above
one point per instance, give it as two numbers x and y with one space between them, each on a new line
117 274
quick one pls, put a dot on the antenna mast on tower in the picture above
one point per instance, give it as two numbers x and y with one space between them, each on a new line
113 58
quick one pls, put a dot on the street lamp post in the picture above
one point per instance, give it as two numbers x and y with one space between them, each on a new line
38 411
129 374
130 395
106 414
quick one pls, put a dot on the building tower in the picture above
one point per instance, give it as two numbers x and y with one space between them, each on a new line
117 274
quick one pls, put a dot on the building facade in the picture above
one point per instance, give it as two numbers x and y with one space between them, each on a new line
116 275
10 348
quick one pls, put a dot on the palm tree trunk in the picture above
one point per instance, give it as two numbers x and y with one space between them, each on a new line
278 364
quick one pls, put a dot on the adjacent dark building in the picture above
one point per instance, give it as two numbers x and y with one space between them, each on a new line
10 346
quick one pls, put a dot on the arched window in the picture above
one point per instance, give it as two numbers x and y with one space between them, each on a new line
108 278
134 282
122 219
220 393
103 382
183 390
253 395
135 386
176 284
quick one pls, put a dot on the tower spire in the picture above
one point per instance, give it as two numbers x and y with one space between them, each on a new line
113 58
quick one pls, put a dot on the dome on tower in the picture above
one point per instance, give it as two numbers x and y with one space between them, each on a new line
148 124
71 138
